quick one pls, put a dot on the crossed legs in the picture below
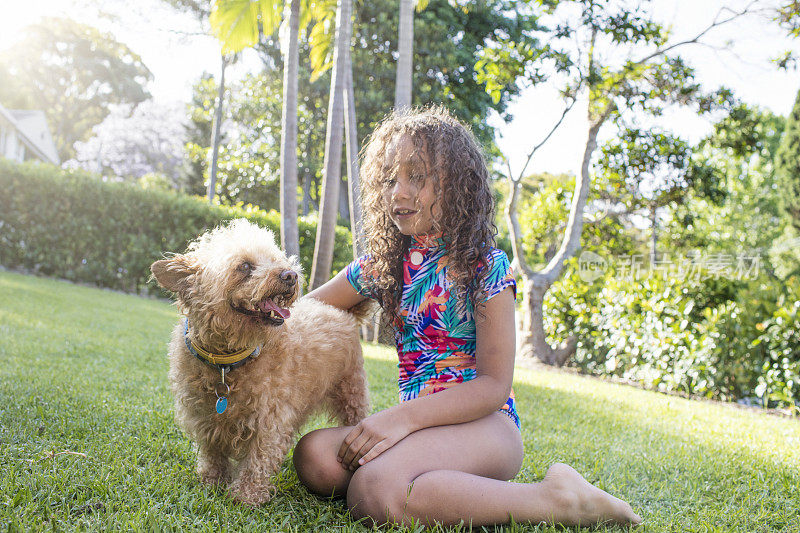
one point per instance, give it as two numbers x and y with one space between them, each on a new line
452 473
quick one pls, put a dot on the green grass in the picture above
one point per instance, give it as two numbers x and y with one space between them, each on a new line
83 371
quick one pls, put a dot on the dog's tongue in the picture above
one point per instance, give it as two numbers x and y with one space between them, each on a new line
268 305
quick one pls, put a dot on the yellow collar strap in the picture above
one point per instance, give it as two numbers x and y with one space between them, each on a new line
224 359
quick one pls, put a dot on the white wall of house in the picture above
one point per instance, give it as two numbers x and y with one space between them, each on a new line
25 135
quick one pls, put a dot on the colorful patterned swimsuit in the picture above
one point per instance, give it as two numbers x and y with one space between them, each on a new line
436 339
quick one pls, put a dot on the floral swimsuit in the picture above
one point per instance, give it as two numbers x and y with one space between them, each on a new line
436 339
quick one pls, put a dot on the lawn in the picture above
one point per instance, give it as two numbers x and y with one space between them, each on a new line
87 438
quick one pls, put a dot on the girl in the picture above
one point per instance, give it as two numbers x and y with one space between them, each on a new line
445 452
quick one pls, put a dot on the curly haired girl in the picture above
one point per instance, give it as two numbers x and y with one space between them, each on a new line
445 453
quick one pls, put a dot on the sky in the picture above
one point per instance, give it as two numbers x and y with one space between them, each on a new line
177 52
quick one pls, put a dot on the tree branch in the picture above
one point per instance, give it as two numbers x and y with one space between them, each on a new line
514 228
714 24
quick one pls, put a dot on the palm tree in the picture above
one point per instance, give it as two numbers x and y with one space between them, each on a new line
405 50
351 143
238 25
212 181
290 237
326 225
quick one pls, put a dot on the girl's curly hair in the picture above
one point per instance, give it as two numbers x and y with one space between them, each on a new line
452 159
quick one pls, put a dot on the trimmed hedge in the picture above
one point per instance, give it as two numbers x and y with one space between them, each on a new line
75 226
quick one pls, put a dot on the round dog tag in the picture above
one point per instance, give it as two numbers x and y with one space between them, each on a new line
222 404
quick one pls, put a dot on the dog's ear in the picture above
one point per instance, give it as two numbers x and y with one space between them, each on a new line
175 273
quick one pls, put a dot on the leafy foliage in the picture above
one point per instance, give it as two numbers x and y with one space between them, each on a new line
543 212
238 24
789 16
77 227
715 337
787 166
652 168
249 155
250 148
699 321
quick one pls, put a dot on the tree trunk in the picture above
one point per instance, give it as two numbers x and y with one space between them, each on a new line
405 50
351 143
306 191
654 246
533 340
368 331
290 239
326 226
212 182
344 204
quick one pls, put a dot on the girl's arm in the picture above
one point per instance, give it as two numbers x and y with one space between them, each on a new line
337 292
471 400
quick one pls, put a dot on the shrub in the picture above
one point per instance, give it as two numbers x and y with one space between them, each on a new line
717 338
72 225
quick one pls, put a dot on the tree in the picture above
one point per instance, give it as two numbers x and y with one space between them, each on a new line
130 143
452 37
616 58
326 225
212 179
787 173
290 238
741 214
249 148
405 51
787 15
352 151
543 212
239 24
198 128
650 169
787 166
74 73
453 34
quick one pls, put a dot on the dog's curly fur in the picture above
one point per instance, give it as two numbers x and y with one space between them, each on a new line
309 361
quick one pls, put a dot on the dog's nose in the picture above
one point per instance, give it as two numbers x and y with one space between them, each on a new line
289 277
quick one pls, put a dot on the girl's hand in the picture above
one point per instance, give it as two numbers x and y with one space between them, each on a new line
371 437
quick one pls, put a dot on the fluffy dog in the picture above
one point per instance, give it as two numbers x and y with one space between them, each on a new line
235 287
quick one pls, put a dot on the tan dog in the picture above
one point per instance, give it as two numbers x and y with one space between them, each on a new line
246 372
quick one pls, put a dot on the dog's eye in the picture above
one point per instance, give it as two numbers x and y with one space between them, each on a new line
245 267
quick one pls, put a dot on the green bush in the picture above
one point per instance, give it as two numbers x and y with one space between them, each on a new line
718 338
74 226
780 342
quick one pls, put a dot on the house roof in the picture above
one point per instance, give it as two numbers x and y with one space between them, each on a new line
32 128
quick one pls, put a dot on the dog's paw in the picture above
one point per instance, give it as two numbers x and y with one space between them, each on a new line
251 494
213 471
214 477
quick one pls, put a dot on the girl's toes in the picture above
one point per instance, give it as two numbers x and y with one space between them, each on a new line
582 503
631 517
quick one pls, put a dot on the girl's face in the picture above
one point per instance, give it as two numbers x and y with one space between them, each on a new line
408 194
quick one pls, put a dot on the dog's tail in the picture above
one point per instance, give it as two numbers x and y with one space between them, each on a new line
365 311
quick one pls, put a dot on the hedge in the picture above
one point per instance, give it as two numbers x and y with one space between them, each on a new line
76 226
716 338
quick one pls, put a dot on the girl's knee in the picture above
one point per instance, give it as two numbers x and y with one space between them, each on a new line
376 494
316 465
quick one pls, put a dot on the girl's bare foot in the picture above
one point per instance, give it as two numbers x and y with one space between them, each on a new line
578 502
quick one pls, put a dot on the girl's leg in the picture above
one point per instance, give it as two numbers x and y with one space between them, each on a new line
315 461
452 473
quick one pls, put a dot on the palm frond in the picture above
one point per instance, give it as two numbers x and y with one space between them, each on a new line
238 23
